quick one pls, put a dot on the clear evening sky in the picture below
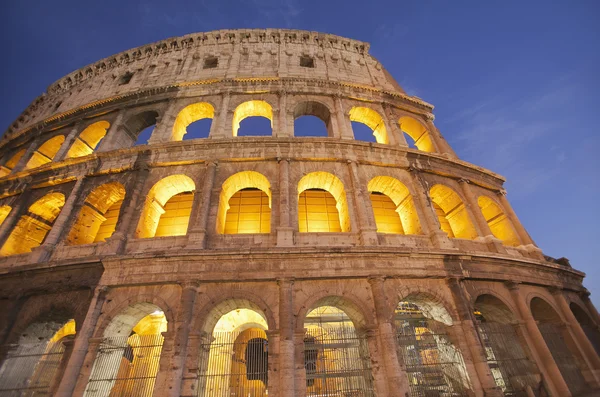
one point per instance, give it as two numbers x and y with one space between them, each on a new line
515 84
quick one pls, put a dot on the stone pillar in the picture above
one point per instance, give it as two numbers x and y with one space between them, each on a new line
43 252
396 134
189 291
198 231
438 140
20 166
300 369
64 148
110 141
554 379
366 222
287 384
481 377
380 383
13 216
280 126
343 122
163 132
395 374
81 345
580 339
285 231
219 129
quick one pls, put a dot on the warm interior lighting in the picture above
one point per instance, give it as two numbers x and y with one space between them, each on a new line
317 210
45 153
65 330
251 109
4 211
251 217
190 114
372 119
154 208
10 164
176 218
418 133
89 138
394 208
499 224
33 226
98 215
453 212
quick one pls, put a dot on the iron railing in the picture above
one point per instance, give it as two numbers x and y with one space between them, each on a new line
234 364
513 372
125 366
337 362
30 370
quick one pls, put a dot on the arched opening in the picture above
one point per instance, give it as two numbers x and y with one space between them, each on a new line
11 163
141 126
34 225
185 123
4 211
98 216
499 224
45 153
312 119
32 366
245 204
322 205
452 213
88 140
434 366
513 372
588 326
371 119
128 356
393 206
417 133
560 344
252 111
234 359
168 207
336 354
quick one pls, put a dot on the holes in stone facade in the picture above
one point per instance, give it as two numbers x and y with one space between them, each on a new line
139 127
307 61
125 78
210 63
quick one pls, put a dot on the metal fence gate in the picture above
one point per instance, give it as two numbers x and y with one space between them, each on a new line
234 364
337 363
30 369
513 372
433 365
564 358
125 366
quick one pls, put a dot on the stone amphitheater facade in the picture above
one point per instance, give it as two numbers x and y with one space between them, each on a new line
268 265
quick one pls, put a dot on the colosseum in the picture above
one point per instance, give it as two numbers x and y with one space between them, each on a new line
279 264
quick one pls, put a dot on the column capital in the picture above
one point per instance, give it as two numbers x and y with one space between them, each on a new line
375 279
501 192
429 116
189 284
453 280
211 164
464 180
512 285
286 281
556 291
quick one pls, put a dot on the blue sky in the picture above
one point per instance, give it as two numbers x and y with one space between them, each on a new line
515 83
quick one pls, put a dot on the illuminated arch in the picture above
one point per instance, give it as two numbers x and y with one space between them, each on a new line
11 164
32 228
330 183
88 140
260 222
251 109
176 188
452 213
499 224
418 133
45 153
4 211
316 109
98 216
402 218
373 120
190 114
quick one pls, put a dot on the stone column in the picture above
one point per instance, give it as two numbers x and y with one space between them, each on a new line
285 232
395 374
437 138
163 132
218 129
287 385
198 231
189 291
483 381
280 126
300 368
69 139
20 166
343 122
396 135
555 381
366 222
44 252
81 345
580 339
13 216
109 142
380 383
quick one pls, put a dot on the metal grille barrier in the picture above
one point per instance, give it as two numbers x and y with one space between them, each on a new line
513 372
564 358
234 364
30 369
433 365
125 366
337 363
